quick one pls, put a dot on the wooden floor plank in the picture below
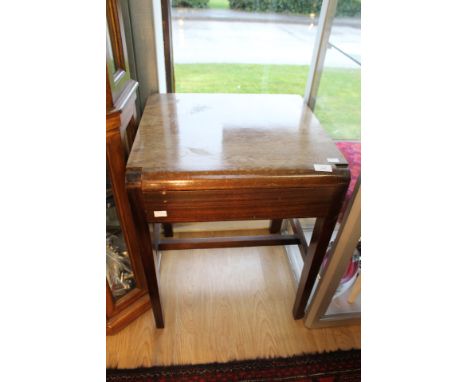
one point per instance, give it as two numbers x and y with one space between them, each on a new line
220 305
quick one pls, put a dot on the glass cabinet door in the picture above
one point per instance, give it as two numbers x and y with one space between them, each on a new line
119 269
347 298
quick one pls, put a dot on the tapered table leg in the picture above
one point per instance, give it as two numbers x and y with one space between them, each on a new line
168 231
146 253
316 251
275 225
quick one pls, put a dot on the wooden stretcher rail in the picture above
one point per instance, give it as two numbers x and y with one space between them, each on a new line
297 229
228 242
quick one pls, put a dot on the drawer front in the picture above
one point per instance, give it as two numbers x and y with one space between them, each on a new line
237 204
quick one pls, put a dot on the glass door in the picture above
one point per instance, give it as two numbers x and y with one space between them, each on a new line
119 270
338 102
243 46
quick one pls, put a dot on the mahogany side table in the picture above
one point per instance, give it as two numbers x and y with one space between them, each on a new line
218 157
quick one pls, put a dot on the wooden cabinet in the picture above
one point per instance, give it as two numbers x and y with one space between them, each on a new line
126 291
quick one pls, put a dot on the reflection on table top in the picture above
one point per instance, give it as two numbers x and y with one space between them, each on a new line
230 134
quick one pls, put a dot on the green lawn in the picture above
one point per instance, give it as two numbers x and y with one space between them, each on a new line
218 4
339 101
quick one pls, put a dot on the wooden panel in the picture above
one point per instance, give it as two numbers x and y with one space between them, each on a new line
212 205
118 320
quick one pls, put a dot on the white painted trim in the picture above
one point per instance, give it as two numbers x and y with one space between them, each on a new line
159 41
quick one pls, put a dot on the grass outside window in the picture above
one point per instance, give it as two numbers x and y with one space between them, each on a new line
218 4
339 100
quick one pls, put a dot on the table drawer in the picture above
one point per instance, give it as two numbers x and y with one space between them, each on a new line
237 204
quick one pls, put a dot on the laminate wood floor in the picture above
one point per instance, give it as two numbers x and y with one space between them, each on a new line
221 305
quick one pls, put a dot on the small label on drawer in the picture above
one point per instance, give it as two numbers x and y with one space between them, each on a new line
333 160
323 167
160 214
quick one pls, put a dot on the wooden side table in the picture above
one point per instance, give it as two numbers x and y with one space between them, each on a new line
218 157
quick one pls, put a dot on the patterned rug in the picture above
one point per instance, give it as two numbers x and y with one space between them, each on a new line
339 366
352 152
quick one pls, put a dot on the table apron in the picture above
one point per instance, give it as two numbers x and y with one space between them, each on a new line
238 204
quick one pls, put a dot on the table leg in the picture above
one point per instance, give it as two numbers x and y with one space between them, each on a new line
168 231
275 225
146 253
323 230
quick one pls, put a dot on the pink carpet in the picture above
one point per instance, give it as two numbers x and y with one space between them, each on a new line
352 153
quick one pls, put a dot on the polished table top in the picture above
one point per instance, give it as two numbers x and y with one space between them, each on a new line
205 136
